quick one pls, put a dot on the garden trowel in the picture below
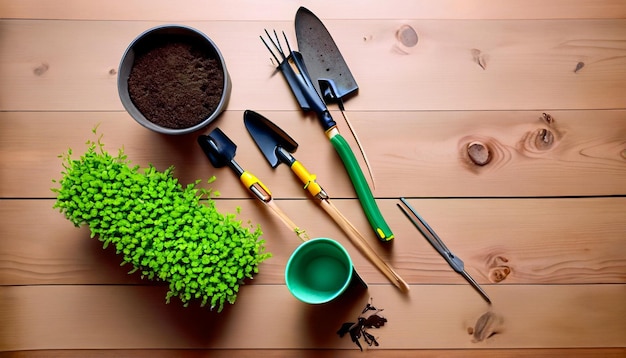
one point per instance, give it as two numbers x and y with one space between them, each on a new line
327 69
309 92
329 72
277 146
221 152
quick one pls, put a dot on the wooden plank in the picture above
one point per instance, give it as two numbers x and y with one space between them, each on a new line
253 10
430 317
540 226
456 65
503 241
265 353
413 154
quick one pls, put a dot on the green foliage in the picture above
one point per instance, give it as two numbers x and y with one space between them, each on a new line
159 227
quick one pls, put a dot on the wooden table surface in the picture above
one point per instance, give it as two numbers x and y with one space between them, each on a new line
542 226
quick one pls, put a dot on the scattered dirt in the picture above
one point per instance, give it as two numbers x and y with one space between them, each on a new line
176 85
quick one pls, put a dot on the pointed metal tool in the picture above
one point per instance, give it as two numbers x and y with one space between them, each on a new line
327 68
277 146
454 261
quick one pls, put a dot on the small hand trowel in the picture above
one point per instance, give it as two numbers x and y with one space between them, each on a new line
277 146
221 152
326 66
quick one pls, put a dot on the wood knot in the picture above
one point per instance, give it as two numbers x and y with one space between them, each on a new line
536 142
41 69
482 154
479 58
544 139
499 269
407 36
623 153
479 153
579 66
498 274
486 327
547 118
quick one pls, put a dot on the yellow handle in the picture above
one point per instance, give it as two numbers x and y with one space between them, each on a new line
248 179
307 178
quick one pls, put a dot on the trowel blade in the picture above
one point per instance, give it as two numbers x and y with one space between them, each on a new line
268 136
326 66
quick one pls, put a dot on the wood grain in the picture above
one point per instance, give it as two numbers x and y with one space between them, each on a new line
253 10
501 241
502 122
413 154
529 64
129 317
263 353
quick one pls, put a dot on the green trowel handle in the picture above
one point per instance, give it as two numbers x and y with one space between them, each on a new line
363 191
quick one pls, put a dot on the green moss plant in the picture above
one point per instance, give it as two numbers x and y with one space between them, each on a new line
163 230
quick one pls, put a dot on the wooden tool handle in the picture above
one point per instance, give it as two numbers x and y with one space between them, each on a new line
287 221
359 241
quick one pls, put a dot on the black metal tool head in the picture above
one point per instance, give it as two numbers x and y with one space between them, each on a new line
325 64
268 137
292 66
218 148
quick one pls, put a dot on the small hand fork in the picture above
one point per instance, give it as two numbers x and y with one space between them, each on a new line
430 235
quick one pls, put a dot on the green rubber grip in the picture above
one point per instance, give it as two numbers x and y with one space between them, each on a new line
363 191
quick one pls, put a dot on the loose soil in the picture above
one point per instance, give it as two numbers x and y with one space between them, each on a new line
176 85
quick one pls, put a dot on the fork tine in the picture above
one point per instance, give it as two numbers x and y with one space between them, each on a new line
287 42
269 49
276 45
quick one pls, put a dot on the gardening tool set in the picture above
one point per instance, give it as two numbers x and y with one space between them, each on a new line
333 81
277 146
318 75
221 152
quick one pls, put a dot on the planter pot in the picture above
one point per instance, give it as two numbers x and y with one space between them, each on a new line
172 79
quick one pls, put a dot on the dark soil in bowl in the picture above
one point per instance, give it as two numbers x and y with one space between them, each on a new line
176 85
